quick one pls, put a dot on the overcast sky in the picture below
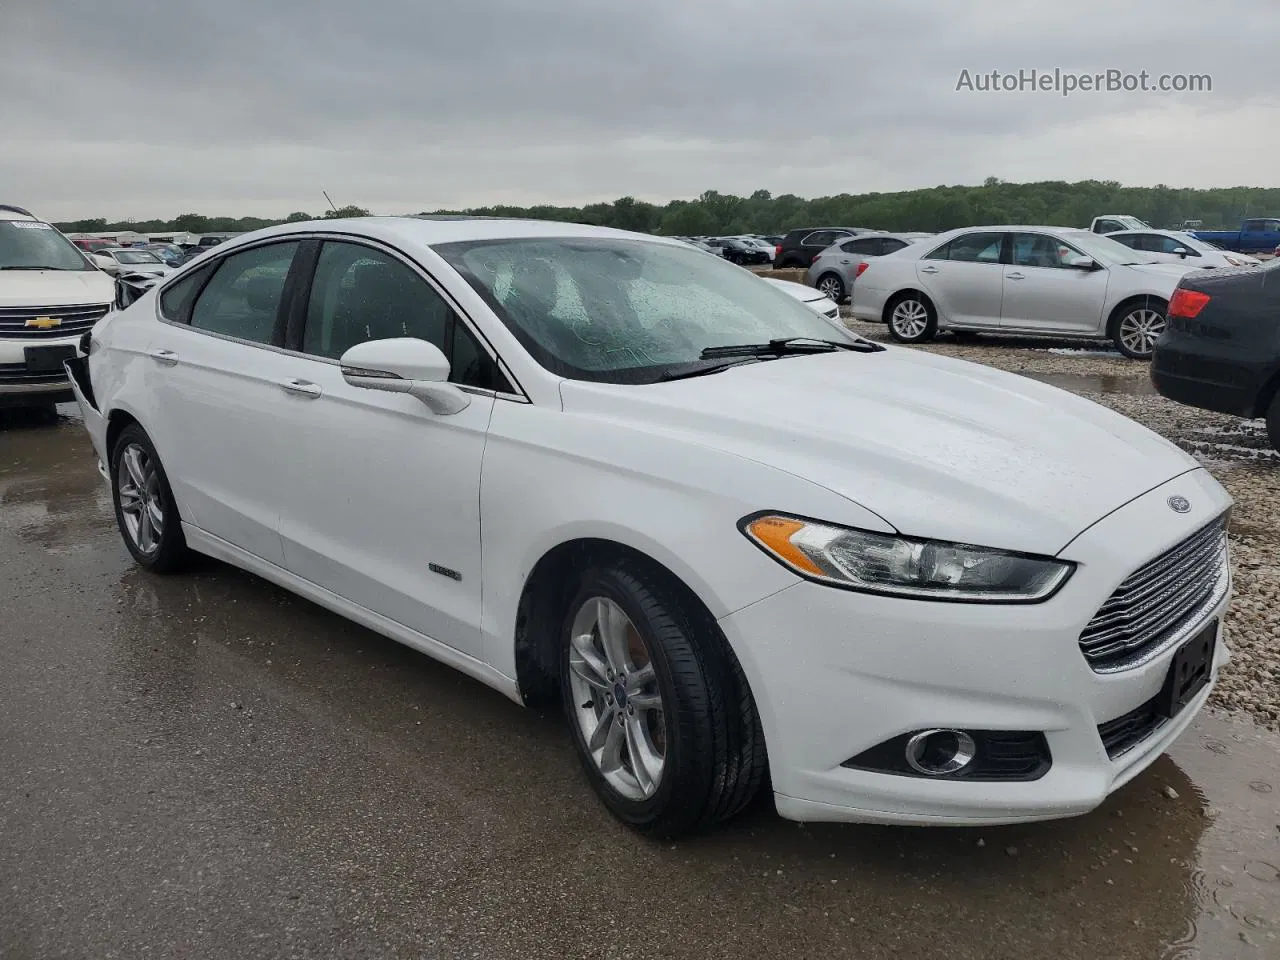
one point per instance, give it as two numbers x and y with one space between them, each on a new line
132 108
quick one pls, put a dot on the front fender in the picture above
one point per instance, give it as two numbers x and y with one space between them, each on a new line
550 477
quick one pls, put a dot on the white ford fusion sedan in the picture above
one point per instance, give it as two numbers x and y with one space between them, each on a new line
731 539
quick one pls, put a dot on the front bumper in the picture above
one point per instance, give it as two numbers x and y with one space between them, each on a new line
834 673
22 387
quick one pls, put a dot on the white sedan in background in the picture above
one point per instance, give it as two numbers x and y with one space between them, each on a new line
1174 246
1038 281
737 545
815 300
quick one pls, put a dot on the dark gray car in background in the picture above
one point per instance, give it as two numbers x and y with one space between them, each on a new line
834 269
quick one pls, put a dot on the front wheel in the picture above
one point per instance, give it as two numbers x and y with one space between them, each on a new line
662 720
145 509
1136 327
912 318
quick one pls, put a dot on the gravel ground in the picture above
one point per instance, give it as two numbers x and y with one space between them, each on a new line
1235 451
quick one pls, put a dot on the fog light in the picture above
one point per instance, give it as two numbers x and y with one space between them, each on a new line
940 753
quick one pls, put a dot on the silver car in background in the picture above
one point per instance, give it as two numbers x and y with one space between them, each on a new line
835 268
1037 281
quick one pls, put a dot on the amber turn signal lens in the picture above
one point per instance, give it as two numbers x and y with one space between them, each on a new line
775 533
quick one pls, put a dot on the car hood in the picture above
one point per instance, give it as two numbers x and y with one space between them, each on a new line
54 288
801 292
937 447
1171 270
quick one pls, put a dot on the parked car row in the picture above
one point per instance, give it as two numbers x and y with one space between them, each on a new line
738 545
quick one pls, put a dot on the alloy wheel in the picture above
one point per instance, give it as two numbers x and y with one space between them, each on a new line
141 501
909 319
617 704
832 288
1140 329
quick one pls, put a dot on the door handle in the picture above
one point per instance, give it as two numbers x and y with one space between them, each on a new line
1015 276
303 388
167 357
846 261
928 269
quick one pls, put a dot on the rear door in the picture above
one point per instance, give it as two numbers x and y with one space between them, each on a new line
218 381
1043 292
965 278
384 496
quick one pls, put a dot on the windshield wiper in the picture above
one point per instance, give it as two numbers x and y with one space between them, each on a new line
28 267
701 371
789 346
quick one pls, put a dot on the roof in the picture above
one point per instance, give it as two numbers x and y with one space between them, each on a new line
422 231
9 212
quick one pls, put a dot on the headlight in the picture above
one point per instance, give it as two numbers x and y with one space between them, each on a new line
904 566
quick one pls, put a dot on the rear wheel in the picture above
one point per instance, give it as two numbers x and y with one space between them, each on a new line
911 318
661 716
1135 327
831 285
145 509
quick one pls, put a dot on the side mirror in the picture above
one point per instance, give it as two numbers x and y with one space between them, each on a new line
1181 251
1083 263
405 365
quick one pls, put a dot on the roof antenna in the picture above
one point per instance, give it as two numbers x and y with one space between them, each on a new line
332 208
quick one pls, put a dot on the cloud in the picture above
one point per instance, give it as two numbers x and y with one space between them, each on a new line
137 108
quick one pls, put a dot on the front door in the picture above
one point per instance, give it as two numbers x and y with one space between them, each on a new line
384 496
1046 289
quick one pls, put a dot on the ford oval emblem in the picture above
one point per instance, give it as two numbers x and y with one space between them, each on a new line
1179 504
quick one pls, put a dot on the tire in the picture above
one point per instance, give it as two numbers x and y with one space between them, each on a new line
832 286
911 318
1273 422
702 749
1136 325
135 466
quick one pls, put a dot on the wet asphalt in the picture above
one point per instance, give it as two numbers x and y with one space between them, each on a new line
205 766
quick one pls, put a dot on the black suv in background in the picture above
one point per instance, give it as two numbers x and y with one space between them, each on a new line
1221 346
800 246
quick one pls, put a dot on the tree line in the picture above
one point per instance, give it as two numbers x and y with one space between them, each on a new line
930 209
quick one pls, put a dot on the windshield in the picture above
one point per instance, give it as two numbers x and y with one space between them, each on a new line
626 311
135 256
1104 249
32 245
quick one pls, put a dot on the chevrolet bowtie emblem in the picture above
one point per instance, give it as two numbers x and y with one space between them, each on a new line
44 323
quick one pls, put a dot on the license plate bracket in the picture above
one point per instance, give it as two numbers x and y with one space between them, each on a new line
47 359
1189 670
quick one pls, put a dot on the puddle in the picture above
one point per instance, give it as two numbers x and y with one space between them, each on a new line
1096 383
1234 879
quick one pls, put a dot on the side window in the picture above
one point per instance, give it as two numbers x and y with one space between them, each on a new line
1172 245
1254 226
849 246
176 301
243 297
890 244
360 294
821 238
867 246
976 248
1109 226
1132 240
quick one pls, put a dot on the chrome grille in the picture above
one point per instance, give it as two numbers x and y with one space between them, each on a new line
73 321
1159 602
